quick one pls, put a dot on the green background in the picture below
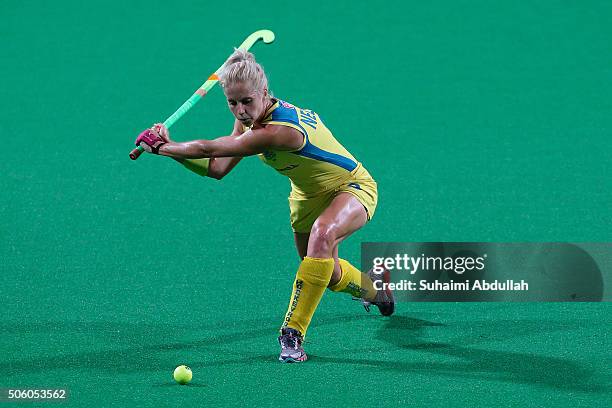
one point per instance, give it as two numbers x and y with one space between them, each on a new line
481 121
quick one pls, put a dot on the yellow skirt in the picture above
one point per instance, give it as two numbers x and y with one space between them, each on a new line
306 210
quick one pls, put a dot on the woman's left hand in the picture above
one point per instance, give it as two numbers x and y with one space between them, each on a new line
150 141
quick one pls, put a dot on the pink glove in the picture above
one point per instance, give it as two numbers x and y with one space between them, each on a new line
150 140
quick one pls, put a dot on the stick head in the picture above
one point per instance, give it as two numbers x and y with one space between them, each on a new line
266 35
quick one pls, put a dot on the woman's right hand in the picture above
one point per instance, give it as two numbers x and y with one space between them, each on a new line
163 131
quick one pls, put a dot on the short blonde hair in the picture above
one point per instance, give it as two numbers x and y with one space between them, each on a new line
242 67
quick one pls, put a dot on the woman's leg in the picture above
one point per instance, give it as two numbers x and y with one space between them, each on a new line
343 216
319 251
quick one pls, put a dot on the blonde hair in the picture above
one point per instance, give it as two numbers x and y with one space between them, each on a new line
242 67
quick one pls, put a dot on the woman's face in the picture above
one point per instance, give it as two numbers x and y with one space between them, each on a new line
247 105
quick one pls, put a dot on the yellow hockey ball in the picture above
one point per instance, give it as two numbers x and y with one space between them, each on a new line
182 374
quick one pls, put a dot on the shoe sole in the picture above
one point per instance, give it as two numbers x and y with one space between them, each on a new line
293 360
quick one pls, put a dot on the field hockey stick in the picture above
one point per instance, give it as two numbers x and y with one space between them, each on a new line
266 35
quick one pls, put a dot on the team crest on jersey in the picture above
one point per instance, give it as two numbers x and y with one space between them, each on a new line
287 105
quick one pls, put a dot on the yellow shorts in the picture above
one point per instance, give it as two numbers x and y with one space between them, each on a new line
305 211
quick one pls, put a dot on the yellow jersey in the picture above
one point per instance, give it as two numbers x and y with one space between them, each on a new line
321 163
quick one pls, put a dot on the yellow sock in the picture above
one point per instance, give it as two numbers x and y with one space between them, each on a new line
311 280
355 282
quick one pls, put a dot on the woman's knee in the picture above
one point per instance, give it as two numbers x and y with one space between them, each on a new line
322 239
